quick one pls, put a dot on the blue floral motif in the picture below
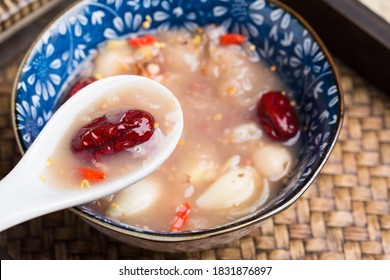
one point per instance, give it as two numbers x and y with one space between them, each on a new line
31 118
280 30
280 39
41 71
240 16
175 14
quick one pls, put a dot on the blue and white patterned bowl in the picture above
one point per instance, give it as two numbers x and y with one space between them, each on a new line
282 38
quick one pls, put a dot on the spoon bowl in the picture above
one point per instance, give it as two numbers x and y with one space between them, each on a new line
23 193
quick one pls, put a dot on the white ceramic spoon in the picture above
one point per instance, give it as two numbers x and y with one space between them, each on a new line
23 195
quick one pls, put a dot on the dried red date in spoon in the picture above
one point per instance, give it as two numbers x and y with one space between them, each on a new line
276 116
114 132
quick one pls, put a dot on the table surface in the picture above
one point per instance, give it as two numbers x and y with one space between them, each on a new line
345 214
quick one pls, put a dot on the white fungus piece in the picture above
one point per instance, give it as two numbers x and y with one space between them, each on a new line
115 58
202 169
235 74
231 163
243 133
237 77
272 161
134 199
214 33
181 54
231 189
200 164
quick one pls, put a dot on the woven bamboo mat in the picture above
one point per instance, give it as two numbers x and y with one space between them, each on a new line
15 14
345 214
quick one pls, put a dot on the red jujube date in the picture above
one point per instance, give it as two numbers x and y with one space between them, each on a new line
277 117
114 132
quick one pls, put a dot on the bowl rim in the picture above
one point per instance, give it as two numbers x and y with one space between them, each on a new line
248 221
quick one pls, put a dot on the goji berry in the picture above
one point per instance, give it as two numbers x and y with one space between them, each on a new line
91 174
232 38
141 41
183 211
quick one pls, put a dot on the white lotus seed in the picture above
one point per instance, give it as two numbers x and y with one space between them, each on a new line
272 162
134 199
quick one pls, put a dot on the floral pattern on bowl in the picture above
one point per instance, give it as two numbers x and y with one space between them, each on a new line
280 37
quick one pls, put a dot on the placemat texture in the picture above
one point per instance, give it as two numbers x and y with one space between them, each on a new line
15 14
345 214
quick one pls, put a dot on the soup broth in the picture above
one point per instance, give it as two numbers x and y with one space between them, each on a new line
225 166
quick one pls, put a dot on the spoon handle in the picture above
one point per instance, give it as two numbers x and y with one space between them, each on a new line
23 196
